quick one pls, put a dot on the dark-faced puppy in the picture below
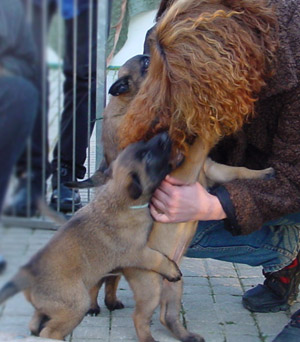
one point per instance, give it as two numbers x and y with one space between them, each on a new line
130 77
110 232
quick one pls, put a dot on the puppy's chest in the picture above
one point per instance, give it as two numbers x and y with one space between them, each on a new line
131 231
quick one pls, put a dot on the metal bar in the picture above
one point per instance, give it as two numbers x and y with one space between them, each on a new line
29 14
59 110
44 94
102 19
29 177
89 91
75 24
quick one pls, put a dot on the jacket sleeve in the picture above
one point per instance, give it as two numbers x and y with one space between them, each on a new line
17 48
250 203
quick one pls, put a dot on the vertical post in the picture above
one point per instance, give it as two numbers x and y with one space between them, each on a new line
102 28
44 95
75 42
91 35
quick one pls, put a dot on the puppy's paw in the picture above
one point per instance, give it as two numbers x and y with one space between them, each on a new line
194 338
94 311
116 305
267 173
174 274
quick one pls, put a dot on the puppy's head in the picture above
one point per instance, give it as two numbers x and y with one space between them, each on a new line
140 168
130 76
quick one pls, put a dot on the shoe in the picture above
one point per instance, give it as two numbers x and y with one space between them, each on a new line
2 264
65 199
291 332
278 292
68 199
24 200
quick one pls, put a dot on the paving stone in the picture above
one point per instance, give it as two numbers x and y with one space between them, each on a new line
8 320
126 312
214 337
228 299
98 321
246 338
218 268
196 281
18 306
123 333
98 339
122 322
236 328
15 330
272 323
243 317
209 329
197 299
15 337
90 332
201 314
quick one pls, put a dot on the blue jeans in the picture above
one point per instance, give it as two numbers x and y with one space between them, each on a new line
273 247
18 107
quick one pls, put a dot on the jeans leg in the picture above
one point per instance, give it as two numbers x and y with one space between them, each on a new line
274 246
18 107
40 32
78 95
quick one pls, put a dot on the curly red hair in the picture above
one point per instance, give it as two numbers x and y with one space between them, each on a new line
209 61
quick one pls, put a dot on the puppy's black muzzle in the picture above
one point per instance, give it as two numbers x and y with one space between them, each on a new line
157 157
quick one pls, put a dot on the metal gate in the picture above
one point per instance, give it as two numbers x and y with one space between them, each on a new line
71 79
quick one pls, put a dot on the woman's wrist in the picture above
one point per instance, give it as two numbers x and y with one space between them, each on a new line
214 210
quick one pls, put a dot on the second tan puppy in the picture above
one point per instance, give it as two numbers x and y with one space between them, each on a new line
110 232
123 90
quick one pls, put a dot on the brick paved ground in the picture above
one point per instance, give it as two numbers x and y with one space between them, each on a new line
211 301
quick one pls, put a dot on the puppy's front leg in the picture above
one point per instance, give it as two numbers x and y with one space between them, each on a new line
220 173
152 260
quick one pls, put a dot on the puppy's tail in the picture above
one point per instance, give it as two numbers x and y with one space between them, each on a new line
19 282
86 184
52 214
99 178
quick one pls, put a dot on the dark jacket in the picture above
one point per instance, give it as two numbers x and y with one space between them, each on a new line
17 48
271 139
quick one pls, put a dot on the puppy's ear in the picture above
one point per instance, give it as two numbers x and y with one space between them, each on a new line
135 188
121 86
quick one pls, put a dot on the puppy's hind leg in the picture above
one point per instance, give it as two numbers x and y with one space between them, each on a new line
63 323
94 309
146 287
170 312
37 323
64 317
111 300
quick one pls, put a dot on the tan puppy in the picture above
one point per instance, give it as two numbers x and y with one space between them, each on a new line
130 77
108 233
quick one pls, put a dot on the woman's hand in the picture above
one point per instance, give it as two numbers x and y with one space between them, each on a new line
175 201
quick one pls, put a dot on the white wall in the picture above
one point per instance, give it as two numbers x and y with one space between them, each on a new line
138 27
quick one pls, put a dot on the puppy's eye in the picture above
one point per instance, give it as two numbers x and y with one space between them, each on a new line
146 63
141 154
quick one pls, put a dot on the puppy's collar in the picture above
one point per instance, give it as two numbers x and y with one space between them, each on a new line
142 206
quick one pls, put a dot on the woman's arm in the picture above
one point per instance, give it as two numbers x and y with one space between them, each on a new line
175 201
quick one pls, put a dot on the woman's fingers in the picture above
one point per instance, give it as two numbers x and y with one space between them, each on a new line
158 216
